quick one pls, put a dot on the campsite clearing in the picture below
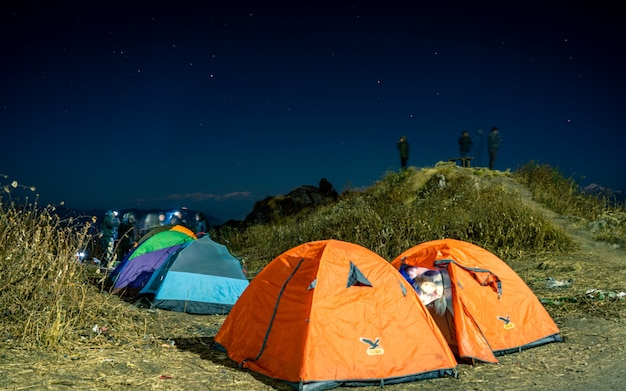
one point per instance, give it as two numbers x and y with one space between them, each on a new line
590 358
176 353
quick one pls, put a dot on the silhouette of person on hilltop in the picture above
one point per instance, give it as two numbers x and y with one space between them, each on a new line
403 148
465 145
493 143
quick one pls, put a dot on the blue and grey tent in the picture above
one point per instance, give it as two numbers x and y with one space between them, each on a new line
202 277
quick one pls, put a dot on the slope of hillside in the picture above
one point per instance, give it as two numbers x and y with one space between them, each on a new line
581 288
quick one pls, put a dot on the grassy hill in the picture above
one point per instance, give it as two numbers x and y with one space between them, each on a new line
495 210
60 328
49 300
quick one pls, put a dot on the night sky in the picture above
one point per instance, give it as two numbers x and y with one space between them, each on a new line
214 105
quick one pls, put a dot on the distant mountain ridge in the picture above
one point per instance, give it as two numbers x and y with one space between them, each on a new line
616 195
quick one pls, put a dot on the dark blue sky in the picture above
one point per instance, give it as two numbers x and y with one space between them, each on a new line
214 105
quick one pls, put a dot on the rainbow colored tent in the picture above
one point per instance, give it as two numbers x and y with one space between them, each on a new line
137 267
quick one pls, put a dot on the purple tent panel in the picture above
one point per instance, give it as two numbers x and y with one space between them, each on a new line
139 270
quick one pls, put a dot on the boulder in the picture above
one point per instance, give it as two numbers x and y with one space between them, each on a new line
271 209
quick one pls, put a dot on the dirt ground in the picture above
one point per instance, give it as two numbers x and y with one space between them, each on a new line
591 356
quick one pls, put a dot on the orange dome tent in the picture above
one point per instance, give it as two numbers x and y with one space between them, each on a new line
331 313
490 311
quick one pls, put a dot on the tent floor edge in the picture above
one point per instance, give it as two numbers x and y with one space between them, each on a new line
329 384
543 341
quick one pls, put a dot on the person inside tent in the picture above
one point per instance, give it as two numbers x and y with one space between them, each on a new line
410 273
432 287
429 287
434 290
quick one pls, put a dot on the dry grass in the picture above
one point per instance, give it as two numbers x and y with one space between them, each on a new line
59 328
605 218
47 297
409 207
49 300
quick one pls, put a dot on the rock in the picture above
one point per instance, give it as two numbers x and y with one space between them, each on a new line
272 209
